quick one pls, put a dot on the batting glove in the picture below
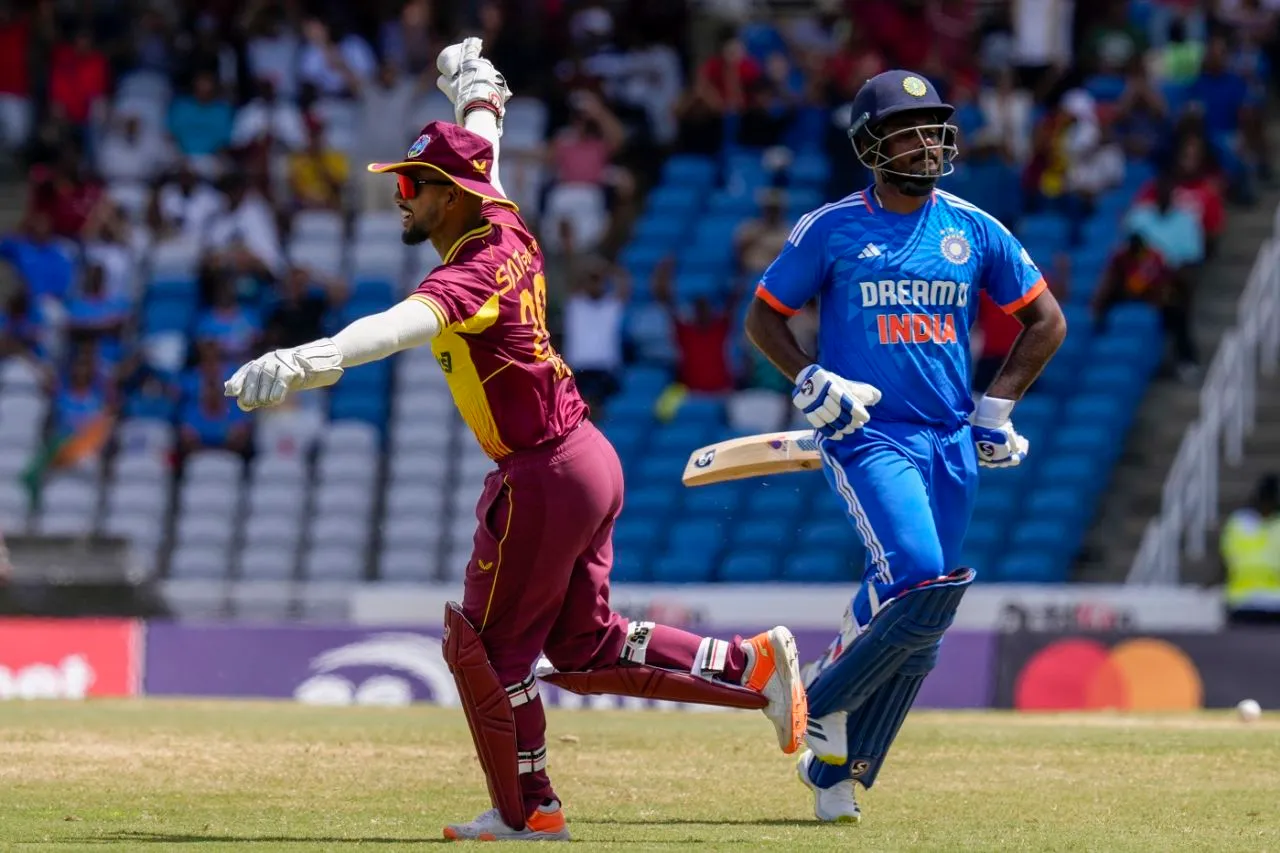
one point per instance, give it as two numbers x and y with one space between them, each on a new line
998 443
470 81
834 405
268 379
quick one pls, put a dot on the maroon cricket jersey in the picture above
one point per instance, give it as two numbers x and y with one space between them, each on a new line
510 385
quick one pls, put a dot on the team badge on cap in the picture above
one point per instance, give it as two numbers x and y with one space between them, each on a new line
419 145
955 246
915 87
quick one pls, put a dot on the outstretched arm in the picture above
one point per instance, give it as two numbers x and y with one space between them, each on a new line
267 380
478 92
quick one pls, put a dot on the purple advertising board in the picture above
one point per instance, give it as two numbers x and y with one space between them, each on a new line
347 665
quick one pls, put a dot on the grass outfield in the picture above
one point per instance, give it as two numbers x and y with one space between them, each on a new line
210 776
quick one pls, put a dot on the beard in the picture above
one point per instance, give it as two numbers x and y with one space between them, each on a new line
414 234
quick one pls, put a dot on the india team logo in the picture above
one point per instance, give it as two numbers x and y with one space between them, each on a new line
419 145
955 246
915 87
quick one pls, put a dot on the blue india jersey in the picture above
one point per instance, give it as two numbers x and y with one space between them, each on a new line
897 295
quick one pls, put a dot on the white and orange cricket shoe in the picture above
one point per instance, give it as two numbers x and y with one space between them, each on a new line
773 668
545 824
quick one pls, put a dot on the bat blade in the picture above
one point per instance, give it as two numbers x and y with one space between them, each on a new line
752 456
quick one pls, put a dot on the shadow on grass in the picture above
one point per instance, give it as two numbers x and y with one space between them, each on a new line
193 838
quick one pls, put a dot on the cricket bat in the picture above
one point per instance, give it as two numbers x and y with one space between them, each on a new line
753 456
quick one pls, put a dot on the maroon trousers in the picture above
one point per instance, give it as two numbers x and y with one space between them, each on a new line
538 581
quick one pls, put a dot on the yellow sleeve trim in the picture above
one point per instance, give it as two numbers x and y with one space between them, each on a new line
434 306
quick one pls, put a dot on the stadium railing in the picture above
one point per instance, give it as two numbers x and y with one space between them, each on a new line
1228 400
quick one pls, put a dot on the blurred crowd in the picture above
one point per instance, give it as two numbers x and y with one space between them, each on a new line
220 122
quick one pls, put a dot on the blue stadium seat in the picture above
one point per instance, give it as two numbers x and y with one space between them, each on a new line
680 436
1112 410
721 500
1034 566
701 410
690 286
359 407
1089 439
1064 504
1117 377
1130 317
641 258
689 170
703 538
681 568
373 291
373 377
1084 473
774 502
626 438
810 170
629 566
762 534
638 534
664 228
645 381
151 408
1105 88
636 408
748 568
183 289
828 534
996 501
732 206
168 315
648 503
659 469
1048 228
820 567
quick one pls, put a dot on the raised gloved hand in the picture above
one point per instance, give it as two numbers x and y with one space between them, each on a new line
998 443
470 81
835 406
268 379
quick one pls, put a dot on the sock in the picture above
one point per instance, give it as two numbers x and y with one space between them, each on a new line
672 648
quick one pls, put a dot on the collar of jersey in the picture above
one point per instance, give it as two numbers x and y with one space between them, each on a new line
873 199
482 231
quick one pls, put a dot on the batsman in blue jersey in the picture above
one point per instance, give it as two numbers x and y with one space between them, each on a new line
896 270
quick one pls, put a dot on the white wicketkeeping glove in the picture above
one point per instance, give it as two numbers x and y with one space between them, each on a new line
470 81
268 379
998 443
835 406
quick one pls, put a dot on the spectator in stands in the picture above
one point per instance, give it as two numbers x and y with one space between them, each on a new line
268 124
1006 117
16 111
66 192
409 40
208 419
1169 228
1114 42
1041 40
78 78
1197 188
584 181
129 151
1250 545
593 317
334 62
272 46
318 173
147 391
83 397
107 241
298 316
759 240
96 316
1141 116
854 63
243 234
20 326
1231 116
153 48
701 335
182 205
44 263
388 93
729 76
226 323
1137 272
699 125
201 123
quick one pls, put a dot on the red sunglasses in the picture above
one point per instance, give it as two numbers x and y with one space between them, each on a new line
409 186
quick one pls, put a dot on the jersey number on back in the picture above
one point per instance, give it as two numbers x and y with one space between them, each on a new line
533 312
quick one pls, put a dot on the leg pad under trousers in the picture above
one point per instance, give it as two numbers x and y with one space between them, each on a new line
488 709
912 622
651 682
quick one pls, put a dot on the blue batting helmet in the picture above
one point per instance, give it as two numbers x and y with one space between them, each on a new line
914 170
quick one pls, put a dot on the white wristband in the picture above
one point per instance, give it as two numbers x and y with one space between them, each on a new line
993 411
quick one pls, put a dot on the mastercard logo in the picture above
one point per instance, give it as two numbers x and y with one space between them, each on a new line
1136 675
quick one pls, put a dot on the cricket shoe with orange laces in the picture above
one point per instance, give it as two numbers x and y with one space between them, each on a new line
773 669
545 824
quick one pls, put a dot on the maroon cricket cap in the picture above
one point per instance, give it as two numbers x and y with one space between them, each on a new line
463 157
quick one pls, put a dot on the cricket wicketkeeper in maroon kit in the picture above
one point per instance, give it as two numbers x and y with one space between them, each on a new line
538 578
